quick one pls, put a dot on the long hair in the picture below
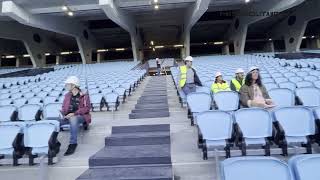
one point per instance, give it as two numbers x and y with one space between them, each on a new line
248 80
215 81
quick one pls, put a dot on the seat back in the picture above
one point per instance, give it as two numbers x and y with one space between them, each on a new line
270 86
215 125
227 100
28 112
289 85
255 168
96 98
120 91
7 113
51 111
203 89
304 166
296 121
37 135
5 102
35 100
309 96
254 122
8 133
282 97
49 99
111 97
20 102
304 84
199 102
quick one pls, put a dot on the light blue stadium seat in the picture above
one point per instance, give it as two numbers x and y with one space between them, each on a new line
296 124
42 94
5 95
214 131
198 102
96 101
20 102
303 84
282 97
309 96
52 111
270 86
106 91
226 100
11 143
311 78
289 85
255 168
29 112
55 93
49 99
29 95
8 113
35 100
94 91
267 80
41 138
302 73
112 101
295 79
304 167
254 127
203 89
5 102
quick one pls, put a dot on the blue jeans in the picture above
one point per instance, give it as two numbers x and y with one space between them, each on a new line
189 88
158 71
74 122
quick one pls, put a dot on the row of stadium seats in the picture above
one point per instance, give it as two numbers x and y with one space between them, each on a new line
299 167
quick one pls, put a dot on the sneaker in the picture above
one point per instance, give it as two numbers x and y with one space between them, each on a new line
71 149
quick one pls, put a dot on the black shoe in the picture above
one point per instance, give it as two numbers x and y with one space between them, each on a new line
71 149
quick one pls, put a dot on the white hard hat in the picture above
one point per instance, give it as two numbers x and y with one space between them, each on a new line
239 70
189 58
73 80
218 74
253 68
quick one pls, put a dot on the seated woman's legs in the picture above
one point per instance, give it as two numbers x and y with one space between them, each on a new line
75 122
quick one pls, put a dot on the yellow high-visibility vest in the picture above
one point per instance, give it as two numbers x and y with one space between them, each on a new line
237 84
217 87
183 76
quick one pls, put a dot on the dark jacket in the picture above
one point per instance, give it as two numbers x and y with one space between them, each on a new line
83 109
246 93
196 78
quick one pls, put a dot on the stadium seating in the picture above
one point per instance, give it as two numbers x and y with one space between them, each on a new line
197 103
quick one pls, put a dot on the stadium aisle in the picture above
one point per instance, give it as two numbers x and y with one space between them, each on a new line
186 158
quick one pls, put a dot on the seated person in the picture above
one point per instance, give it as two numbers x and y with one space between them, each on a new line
238 81
76 110
219 84
188 78
253 93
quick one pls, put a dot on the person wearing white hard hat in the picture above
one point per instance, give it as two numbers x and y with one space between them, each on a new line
188 78
219 84
75 110
237 82
253 93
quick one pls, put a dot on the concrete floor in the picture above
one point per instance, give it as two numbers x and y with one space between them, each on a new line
186 157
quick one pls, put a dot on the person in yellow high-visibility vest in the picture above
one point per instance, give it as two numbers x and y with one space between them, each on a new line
238 81
219 84
188 78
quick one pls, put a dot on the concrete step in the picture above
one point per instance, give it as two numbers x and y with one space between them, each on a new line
152 101
141 128
149 110
131 155
135 139
158 114
129 173
150 105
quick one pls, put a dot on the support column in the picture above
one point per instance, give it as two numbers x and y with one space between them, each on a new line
58 59
292 29
18 59
99 57
238 31
318 43
269 47
225 49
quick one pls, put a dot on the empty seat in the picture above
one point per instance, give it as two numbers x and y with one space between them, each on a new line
20 102
8 113
197 102
41 138
94 91
203 89
226 100
317 84
282 97
96 101
122 93
42 94
5 95
29 112
29 95
52 111
55 93
106 91
49 99
214 131
267 80
309 96
11 134
35 100
253 127
112 101
289 74
270 86
5 102
289 85
302 73
255 168
311 78
304 166
294 125
304 84
295 79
